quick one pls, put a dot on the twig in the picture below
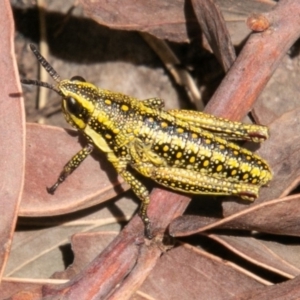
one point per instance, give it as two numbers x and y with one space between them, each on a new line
172 64
256 63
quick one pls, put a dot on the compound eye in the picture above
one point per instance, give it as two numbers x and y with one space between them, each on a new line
73 107
77 78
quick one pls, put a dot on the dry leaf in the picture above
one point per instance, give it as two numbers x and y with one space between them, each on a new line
186 272
12 150
214 28
257 253
48 150
174 21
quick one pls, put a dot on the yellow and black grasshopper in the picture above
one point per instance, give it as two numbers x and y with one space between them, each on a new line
183 150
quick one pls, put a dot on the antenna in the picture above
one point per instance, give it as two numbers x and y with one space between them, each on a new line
41 83
44 63
48 68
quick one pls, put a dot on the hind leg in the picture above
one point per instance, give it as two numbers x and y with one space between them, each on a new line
193 182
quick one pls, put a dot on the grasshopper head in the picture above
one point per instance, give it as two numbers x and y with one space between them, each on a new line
77 102
77 95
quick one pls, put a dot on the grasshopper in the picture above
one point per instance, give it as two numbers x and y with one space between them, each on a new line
183 150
